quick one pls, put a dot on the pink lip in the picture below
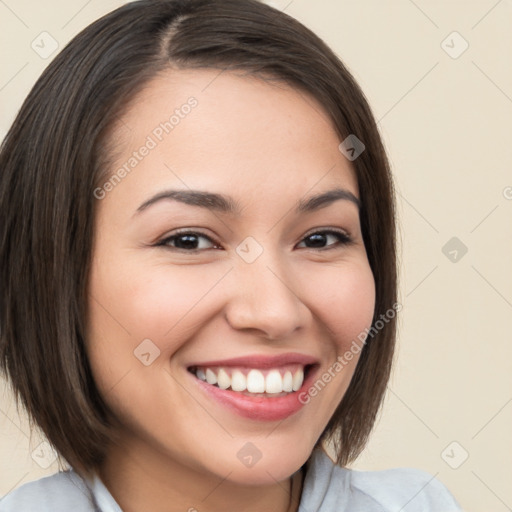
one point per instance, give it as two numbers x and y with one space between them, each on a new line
261 362
258 408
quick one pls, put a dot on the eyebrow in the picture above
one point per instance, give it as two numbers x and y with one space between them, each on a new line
226 204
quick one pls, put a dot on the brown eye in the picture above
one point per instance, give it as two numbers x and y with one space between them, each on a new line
188 241
318 239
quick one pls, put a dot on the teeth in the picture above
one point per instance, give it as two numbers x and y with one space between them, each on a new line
223 379
211 378
274 382
298 379
288 382
255 381
238 381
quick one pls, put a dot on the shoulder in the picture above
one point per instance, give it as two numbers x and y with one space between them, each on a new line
330 487
406 489
62 491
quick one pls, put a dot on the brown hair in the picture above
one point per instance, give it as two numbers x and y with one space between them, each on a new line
53 157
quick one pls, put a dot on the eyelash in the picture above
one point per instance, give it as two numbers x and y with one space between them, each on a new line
343 240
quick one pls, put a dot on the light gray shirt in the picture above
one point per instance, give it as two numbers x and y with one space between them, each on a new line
327 488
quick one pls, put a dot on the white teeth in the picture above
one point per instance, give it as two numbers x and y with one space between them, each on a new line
255 382
238 381
223 379
298 379
211 378
274 382
288 382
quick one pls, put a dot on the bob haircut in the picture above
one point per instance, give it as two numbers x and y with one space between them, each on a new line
55 155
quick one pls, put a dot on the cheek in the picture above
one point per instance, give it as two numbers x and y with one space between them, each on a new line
147 300
130 303
344 301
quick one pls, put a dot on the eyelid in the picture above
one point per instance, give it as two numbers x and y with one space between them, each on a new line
327 230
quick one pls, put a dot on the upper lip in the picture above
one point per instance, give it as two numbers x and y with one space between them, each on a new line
261 361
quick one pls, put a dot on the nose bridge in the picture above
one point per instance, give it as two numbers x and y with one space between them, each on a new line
263 298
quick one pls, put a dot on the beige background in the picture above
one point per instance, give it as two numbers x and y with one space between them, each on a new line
446 124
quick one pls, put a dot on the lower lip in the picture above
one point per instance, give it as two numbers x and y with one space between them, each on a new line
258 408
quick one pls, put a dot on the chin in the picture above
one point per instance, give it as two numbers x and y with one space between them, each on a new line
274 465
262 474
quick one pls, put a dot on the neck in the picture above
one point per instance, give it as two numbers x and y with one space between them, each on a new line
141 478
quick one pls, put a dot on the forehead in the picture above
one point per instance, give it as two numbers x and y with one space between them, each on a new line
215 130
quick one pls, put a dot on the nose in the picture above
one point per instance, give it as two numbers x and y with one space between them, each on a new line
263 298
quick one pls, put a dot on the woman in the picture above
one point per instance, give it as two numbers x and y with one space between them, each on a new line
199 271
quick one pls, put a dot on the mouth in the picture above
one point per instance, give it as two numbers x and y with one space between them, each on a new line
259 388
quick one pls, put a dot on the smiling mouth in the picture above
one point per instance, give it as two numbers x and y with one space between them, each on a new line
254 382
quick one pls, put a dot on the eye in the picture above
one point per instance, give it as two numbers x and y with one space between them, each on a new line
187 241
318 238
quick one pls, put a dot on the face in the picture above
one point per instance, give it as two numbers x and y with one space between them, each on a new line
210 327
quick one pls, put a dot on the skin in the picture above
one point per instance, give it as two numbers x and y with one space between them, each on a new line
268 146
